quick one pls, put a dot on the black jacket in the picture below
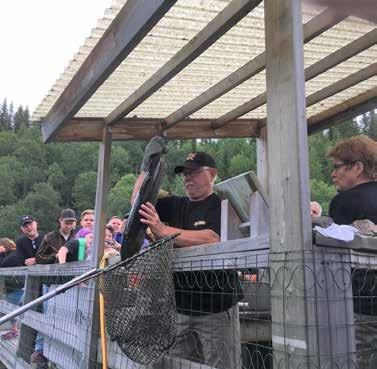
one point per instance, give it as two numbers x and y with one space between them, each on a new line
50 246
26 248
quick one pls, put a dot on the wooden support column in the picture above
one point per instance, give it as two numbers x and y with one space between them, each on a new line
259 221
103 176
288 177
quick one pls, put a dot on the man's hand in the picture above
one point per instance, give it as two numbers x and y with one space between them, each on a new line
30 261
151 218
156 145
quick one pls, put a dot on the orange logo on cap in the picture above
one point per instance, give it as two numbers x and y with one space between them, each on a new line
191 156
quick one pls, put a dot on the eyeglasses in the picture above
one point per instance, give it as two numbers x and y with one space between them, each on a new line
193 173
337 166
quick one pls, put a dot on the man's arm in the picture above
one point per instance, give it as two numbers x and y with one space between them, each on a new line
62 255
185 238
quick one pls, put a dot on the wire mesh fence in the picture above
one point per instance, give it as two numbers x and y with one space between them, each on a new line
313 309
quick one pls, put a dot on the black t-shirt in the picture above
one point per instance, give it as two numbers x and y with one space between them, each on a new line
359 202
27 248
200 292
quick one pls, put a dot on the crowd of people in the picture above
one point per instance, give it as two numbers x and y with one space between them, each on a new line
70 241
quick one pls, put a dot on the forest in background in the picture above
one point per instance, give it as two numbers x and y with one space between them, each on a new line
40 180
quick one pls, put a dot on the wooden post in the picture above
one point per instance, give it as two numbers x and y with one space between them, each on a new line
27 334
103 175
288 172
258 209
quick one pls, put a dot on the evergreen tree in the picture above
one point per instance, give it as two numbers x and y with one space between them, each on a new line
4 115
9 125
26 117
18 119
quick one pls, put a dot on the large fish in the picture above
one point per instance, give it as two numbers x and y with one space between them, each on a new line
134 233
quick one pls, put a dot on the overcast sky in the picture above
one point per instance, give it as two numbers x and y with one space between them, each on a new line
38 39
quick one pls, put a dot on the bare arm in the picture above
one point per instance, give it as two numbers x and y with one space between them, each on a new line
185 238
62 255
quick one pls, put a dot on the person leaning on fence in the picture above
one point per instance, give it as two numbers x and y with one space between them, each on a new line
76 249
28 244
354 175
13 286
208 330
54 240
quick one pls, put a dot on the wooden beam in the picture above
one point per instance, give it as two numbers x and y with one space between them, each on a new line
225 20
96 253
133 22
330 61
343 84
312 29
346 110
90 129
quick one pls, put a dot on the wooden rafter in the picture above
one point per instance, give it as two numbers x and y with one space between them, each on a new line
225 20
90 129
132 23
312 29
346 110
345 53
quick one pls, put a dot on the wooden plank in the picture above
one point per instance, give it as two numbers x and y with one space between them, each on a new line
330 61
27 334
223 21
103 179
346 110
312 29
133 22
288 173
85 129
343 84
229 222
242 253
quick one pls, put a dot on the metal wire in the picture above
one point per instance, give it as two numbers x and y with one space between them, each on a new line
140 308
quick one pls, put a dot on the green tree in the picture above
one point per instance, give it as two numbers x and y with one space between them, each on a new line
18 118
322 193
12 175
43 204
4 115
84 190
119 200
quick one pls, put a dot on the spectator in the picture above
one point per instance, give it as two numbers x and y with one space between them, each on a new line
86 221
71 250
54 240
111 247
28 244
46 254
208 329
116 223
7 247
315 209
354 175
13 286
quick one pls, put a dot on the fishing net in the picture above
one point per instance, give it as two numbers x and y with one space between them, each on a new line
140 307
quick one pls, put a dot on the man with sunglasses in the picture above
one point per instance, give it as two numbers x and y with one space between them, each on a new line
354 175
208 329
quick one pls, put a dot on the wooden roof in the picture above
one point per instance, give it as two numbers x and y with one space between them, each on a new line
194 68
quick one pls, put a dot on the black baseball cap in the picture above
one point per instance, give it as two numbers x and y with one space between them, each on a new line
68 214
26 219
196 160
